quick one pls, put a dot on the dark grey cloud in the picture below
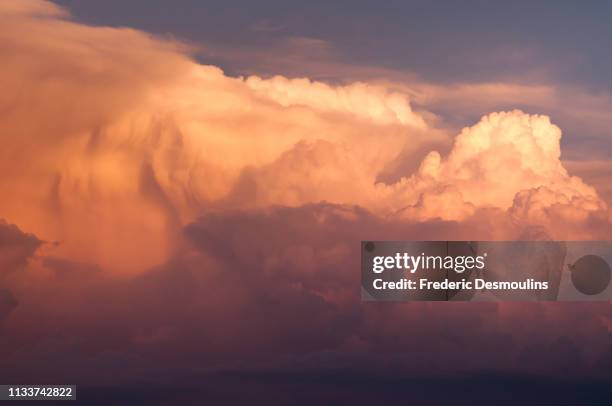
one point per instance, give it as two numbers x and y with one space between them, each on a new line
268 301
7 304
16 247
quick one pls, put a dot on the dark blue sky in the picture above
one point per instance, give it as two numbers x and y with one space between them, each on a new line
568 41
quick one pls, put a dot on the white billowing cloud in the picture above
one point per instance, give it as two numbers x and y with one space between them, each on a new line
570 216
360 99
492 162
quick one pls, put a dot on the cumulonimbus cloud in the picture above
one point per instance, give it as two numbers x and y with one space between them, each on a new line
176 210
116 131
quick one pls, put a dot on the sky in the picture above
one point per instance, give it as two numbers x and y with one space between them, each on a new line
444 41
564 45
184 191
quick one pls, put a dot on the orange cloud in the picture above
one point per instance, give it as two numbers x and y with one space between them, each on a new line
491 164
114 139
234 206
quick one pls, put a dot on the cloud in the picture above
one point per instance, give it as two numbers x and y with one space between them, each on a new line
16 248
360 99
496 164
152 138
275 290
120 132
7 304
32 8
113 130
596 171
203 222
